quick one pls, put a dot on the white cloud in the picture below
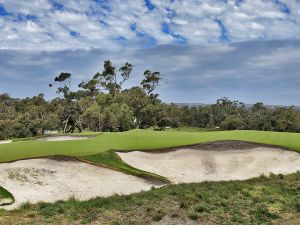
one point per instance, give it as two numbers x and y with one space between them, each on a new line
100 25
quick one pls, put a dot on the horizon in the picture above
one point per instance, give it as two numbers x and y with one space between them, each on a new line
244 50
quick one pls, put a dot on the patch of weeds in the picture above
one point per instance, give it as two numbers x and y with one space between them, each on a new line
183 205
158 215
263 214
193 216
201 208
173 192
114 223
297 206
149 209
25 206
237 219
174 215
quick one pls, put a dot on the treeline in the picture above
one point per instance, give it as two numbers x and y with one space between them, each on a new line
234 115
101 104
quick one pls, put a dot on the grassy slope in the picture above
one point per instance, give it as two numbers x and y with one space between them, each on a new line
256 201
4 194
139 139
110 159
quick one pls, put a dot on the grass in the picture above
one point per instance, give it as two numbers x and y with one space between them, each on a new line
100 149
4 194
110 159
257 201
139 139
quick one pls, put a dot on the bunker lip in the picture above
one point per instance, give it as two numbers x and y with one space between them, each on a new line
50 179
219 145
215 161
6 201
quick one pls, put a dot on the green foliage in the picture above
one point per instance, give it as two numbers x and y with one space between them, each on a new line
232 122
101 104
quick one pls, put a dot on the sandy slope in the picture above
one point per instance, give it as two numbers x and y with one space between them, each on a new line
190 165
50 180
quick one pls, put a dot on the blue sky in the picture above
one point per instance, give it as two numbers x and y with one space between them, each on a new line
243 49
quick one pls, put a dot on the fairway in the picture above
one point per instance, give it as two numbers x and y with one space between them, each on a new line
139 140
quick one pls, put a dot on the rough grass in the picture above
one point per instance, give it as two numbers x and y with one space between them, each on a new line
139 139
257 201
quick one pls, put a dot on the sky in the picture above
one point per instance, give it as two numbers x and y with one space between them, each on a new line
247 50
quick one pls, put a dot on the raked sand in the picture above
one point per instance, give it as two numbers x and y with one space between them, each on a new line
62 138
191 165
50 180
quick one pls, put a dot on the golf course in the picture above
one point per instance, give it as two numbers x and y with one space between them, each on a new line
138 140
149 112
33 163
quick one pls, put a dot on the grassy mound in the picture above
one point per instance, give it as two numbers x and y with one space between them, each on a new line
6 198
256 201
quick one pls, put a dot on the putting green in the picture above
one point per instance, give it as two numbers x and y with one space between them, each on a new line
139 139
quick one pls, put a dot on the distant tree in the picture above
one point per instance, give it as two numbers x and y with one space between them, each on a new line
111 79
64 81
232 122
151 81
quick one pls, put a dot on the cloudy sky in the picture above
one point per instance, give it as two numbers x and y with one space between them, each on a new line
242 49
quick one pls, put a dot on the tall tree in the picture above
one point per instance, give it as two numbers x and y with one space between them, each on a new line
151 81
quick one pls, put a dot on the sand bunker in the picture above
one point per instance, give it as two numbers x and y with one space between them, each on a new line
208 163
5 142
62 138
50 180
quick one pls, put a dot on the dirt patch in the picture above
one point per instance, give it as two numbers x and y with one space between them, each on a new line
167 220
63 138
50 180
209 162
227 145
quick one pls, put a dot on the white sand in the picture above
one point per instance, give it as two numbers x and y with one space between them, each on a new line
188 165
62 138
49 180
5 142
6 201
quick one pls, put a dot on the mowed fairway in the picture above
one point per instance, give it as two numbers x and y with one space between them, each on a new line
139 139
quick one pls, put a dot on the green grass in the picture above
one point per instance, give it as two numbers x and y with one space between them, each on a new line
139 139
191 129
4 194
257 201
110 159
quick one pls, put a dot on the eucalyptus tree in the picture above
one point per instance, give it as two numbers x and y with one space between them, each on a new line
151 81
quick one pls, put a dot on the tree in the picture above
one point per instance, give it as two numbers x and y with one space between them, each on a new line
232 122
151 81
110 80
